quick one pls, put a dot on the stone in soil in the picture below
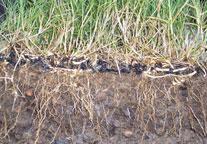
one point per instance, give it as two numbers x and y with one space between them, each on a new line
29 92
127 133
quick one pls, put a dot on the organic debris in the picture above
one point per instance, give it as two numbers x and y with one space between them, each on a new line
68 63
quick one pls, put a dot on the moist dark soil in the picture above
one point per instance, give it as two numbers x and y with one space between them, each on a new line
61 107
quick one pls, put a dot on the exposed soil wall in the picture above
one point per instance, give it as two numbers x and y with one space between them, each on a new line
74 107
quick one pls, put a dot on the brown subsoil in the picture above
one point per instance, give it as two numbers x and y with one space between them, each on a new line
99 108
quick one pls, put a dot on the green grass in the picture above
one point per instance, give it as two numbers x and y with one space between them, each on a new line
114 29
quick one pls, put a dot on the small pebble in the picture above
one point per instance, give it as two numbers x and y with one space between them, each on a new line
29 93
127 133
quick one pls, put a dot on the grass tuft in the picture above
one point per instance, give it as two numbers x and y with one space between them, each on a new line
173 30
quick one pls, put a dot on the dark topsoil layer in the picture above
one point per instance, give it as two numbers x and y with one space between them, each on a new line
75 107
